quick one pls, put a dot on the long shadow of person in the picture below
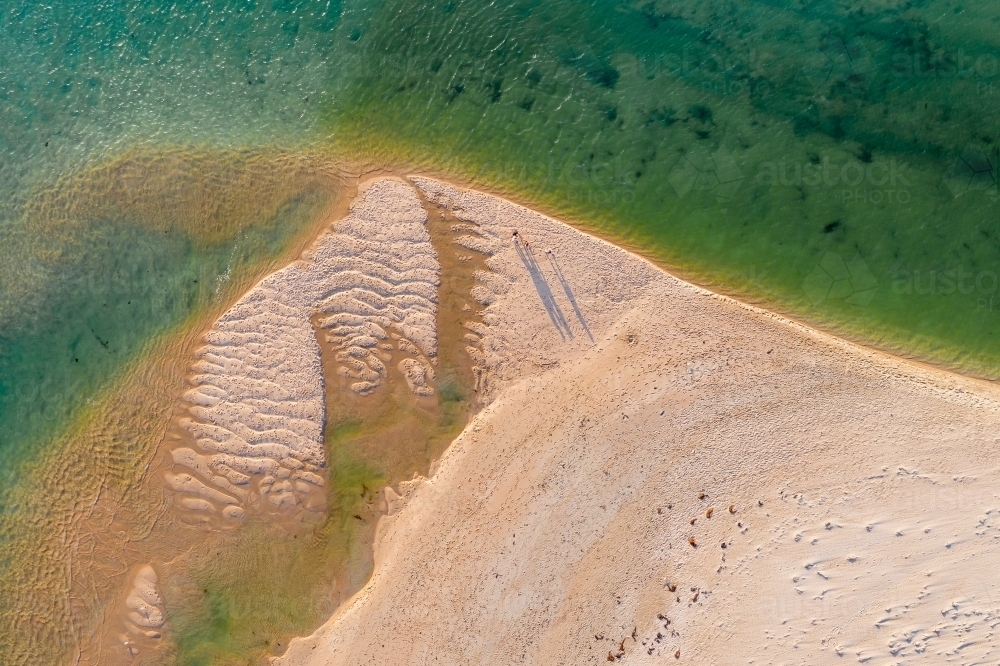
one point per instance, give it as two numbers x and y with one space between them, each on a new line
542 287
569 292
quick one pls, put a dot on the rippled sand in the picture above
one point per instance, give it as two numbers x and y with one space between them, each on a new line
250 443
256 412
99 367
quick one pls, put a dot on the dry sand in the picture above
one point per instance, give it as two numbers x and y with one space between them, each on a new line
662 474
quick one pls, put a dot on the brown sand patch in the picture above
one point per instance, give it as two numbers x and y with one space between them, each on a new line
401 431
74 553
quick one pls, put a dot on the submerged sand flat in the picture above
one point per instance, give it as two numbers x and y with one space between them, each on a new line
662 474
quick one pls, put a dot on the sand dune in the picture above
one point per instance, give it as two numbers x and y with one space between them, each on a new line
662 474
256 412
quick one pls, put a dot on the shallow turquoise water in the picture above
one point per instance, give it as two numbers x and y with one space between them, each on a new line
84 79
83 82
835 161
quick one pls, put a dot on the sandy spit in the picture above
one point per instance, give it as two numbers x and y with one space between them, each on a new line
664 475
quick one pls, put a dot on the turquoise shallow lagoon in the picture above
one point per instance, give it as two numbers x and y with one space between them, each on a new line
834 161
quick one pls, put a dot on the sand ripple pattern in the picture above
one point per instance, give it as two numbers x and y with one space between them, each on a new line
385 294
257 407
144 611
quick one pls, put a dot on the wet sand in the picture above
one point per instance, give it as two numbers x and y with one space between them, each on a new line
367 288
324 381
664 473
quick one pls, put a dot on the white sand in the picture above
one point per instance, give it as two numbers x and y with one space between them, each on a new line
853 497
257 408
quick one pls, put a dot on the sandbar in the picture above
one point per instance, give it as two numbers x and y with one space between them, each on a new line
663 474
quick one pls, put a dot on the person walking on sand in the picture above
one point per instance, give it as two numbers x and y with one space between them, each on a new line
514 236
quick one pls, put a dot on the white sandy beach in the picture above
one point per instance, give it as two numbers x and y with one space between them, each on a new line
664 475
